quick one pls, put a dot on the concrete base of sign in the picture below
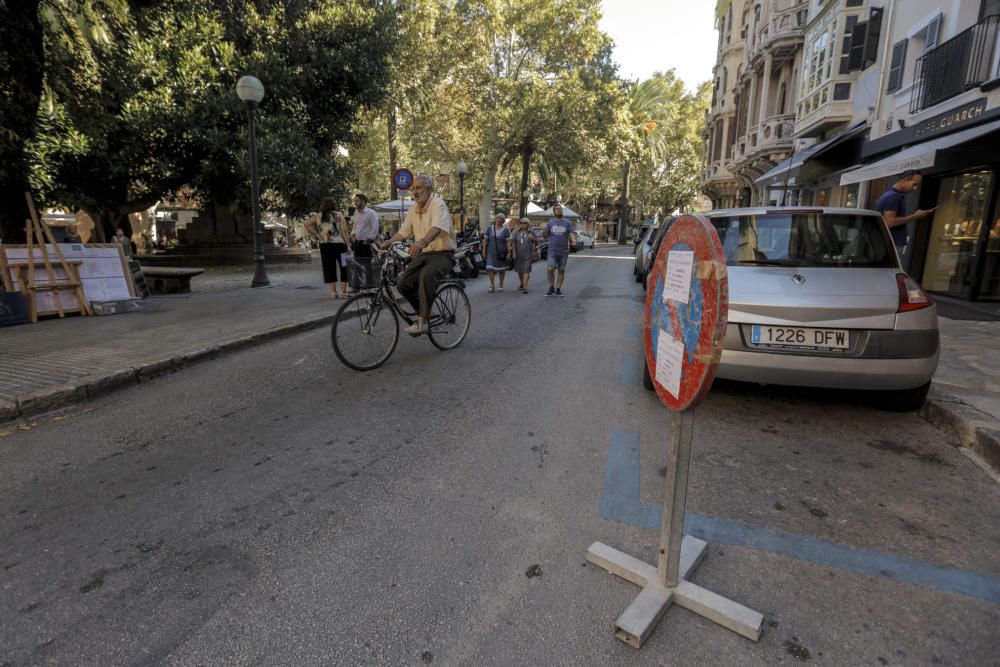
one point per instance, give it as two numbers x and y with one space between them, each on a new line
637 622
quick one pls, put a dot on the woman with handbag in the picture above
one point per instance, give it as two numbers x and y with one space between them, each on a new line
497 236
331 230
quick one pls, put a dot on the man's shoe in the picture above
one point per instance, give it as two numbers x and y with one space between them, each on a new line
559 293
552 290
416 329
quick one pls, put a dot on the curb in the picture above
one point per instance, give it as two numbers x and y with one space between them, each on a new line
92 386
966 425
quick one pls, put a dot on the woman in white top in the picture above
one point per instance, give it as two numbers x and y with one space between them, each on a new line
330 228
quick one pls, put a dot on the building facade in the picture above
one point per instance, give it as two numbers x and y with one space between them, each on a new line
876 87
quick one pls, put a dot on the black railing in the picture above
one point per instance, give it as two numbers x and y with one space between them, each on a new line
961 63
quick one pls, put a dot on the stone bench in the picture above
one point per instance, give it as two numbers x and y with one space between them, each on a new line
169 280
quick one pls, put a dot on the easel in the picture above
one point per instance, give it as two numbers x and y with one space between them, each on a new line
679 555
37 232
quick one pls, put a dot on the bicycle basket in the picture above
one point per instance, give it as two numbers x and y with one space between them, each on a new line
363 273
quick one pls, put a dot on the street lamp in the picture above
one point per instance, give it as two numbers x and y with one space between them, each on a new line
462 170
251 91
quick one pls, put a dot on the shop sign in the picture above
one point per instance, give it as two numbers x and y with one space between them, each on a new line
951 120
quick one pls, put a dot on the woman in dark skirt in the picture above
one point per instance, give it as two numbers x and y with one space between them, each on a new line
332 231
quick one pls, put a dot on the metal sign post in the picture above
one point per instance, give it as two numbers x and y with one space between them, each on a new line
686 309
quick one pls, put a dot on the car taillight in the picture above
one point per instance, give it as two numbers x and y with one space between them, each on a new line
911 295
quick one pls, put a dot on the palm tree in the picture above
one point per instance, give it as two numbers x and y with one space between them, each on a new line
646 108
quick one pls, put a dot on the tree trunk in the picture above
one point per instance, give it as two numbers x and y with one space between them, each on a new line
21 67
486 197
390 122
623 209
526 153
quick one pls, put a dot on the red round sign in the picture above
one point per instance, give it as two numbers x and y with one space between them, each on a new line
687 303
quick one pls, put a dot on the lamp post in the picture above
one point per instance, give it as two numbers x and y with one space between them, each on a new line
463 170
251 90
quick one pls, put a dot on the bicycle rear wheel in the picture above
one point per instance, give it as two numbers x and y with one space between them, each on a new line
365 332
450 317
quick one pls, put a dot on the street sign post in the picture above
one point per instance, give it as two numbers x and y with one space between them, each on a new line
402 178
686 309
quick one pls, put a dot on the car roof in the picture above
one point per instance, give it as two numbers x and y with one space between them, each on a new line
764 210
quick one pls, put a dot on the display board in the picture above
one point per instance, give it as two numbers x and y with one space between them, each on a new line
103 271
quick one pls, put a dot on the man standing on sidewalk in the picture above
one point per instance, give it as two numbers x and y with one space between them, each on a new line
892 206
365 227
428 223
559 233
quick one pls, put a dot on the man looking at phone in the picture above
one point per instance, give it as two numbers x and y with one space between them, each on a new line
892 206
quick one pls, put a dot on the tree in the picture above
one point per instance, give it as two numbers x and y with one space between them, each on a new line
160 111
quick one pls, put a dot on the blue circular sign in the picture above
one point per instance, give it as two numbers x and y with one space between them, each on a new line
402 178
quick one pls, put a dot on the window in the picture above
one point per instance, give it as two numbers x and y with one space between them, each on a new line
841 91
806 239
817 64
989 8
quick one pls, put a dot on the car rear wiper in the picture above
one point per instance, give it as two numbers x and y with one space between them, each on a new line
770 262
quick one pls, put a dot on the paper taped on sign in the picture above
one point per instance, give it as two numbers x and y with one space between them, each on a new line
669 359
677 283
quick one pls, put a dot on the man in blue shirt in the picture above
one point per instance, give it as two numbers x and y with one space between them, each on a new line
892 206
558 231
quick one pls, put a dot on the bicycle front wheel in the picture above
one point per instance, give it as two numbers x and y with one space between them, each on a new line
365 332
450 317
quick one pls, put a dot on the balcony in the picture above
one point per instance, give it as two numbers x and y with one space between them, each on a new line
963 62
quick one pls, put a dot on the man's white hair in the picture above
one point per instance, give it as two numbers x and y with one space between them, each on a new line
427 179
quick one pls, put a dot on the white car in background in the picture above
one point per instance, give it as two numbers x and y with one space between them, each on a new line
817 299
583 242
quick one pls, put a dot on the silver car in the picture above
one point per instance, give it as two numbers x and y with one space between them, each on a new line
817 298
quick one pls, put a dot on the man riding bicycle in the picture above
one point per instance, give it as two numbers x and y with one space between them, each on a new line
428 222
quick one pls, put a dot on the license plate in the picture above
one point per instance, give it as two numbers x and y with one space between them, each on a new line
800 337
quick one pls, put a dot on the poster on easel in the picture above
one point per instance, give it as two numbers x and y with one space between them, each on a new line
102 269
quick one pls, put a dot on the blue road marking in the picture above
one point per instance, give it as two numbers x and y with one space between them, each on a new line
620 502
628 371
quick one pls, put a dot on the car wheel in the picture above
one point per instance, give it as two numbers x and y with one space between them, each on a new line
645 280
638 276
647 380
903 400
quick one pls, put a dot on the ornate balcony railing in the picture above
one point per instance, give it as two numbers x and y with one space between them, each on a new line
963 62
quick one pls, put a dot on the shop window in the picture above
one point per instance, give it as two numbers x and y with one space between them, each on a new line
955 234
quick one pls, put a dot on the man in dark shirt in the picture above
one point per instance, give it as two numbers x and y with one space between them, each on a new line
892 206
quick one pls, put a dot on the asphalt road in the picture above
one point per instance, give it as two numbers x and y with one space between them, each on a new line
273 508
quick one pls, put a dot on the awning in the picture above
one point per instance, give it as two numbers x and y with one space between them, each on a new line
920 156
547 213
789 169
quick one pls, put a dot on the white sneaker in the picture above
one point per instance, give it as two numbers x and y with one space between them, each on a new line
416 329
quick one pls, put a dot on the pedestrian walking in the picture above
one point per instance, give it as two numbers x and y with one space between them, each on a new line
523 244
559 232
330 229
124 241
364 229
497 237
892 206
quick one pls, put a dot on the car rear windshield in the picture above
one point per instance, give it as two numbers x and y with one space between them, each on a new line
805 239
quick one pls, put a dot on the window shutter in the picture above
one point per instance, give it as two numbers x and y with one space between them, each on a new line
856 56
872 37
933 33
896 68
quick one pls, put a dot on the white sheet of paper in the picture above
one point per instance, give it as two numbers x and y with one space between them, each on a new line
669 359
677 283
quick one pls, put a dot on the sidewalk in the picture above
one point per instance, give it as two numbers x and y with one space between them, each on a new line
60 362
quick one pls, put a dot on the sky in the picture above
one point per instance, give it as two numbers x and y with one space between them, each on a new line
652 35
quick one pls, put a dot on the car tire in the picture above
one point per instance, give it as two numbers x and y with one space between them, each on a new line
645 281
647 380
903 400
638 276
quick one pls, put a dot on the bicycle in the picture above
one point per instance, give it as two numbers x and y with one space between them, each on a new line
365 329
